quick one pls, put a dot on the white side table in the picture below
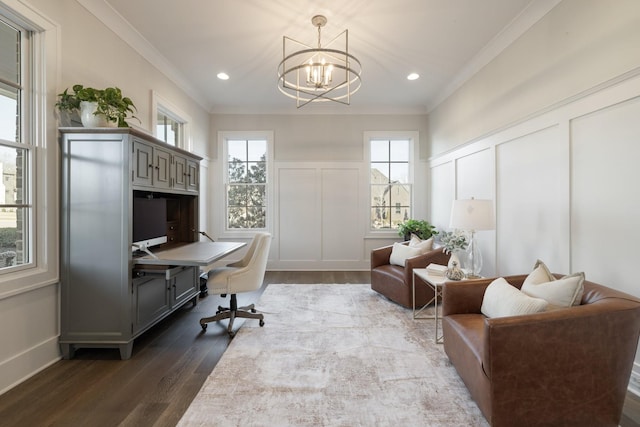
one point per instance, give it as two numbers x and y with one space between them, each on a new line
435 282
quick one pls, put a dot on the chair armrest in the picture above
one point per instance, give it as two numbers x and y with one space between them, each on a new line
525 354
380 256
434 256
463 297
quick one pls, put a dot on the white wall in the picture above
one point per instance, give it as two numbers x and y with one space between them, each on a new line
559 152
88 53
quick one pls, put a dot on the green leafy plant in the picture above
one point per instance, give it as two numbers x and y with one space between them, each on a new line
421 228
453 240
110 102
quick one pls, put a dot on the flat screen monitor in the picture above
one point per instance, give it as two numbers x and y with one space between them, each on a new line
149 222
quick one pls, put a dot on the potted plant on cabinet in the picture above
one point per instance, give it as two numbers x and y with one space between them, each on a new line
97 107
421 228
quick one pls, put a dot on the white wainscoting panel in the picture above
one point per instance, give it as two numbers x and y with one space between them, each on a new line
298 214
605 211
475 178
320 217
442 194
342 239
474 175
533 202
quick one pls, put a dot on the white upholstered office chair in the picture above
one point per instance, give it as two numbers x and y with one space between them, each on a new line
245 275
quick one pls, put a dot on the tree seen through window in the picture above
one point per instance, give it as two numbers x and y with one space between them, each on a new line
246 184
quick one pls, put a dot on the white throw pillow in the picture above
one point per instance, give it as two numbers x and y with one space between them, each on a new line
559 293
400 252
540 274
424 245
502 299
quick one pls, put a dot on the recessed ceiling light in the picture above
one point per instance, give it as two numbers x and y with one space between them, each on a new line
223 76
413 76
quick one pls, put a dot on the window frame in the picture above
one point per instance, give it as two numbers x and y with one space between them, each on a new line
223 137
161 105
40 130
368 136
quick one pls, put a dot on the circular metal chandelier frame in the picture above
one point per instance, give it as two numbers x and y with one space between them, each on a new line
294 75
291 85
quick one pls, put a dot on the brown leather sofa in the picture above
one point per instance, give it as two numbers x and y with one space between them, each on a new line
568 367
396 283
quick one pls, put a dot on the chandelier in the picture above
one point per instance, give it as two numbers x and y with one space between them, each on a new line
318 74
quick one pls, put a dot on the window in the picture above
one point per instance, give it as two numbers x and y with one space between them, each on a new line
390 182
169 129
171 124
28 145
16 151
246 178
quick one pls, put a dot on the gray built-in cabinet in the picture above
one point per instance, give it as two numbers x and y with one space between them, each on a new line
107 298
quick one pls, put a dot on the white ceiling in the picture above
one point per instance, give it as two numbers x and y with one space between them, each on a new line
443 40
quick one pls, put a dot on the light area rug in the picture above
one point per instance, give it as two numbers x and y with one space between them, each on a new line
333 355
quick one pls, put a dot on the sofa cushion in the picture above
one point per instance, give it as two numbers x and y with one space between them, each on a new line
401 252
502 299
424 245
559 293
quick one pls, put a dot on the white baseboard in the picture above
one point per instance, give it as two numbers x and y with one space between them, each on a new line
23 366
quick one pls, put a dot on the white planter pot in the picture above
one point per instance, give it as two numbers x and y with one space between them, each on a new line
91 120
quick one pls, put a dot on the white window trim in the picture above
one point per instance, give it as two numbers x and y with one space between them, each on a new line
414 145
160 103
43 133
220 198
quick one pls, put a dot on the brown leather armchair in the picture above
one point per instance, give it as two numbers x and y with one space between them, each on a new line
396 283
567 367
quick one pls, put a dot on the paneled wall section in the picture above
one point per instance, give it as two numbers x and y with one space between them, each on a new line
565 189
320 218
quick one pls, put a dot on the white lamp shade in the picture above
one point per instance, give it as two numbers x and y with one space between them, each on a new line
472 214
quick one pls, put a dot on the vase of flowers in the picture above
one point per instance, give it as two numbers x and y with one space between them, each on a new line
455 243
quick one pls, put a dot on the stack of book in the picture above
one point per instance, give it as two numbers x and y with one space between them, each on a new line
436 269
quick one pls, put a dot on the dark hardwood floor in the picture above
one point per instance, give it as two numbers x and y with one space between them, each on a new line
154 388
170 363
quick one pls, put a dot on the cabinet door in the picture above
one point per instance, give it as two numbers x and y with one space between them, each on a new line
150 300
180 172
161 168
142 163
193 180
184 286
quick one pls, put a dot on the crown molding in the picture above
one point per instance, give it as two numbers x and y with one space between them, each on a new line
123 29
533 13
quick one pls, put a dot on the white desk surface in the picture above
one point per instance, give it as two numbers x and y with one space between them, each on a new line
191 254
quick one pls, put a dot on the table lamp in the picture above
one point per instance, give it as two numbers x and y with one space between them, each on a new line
473 215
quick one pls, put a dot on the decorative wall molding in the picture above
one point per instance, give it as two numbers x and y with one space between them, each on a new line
557 194
521 24
121 28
